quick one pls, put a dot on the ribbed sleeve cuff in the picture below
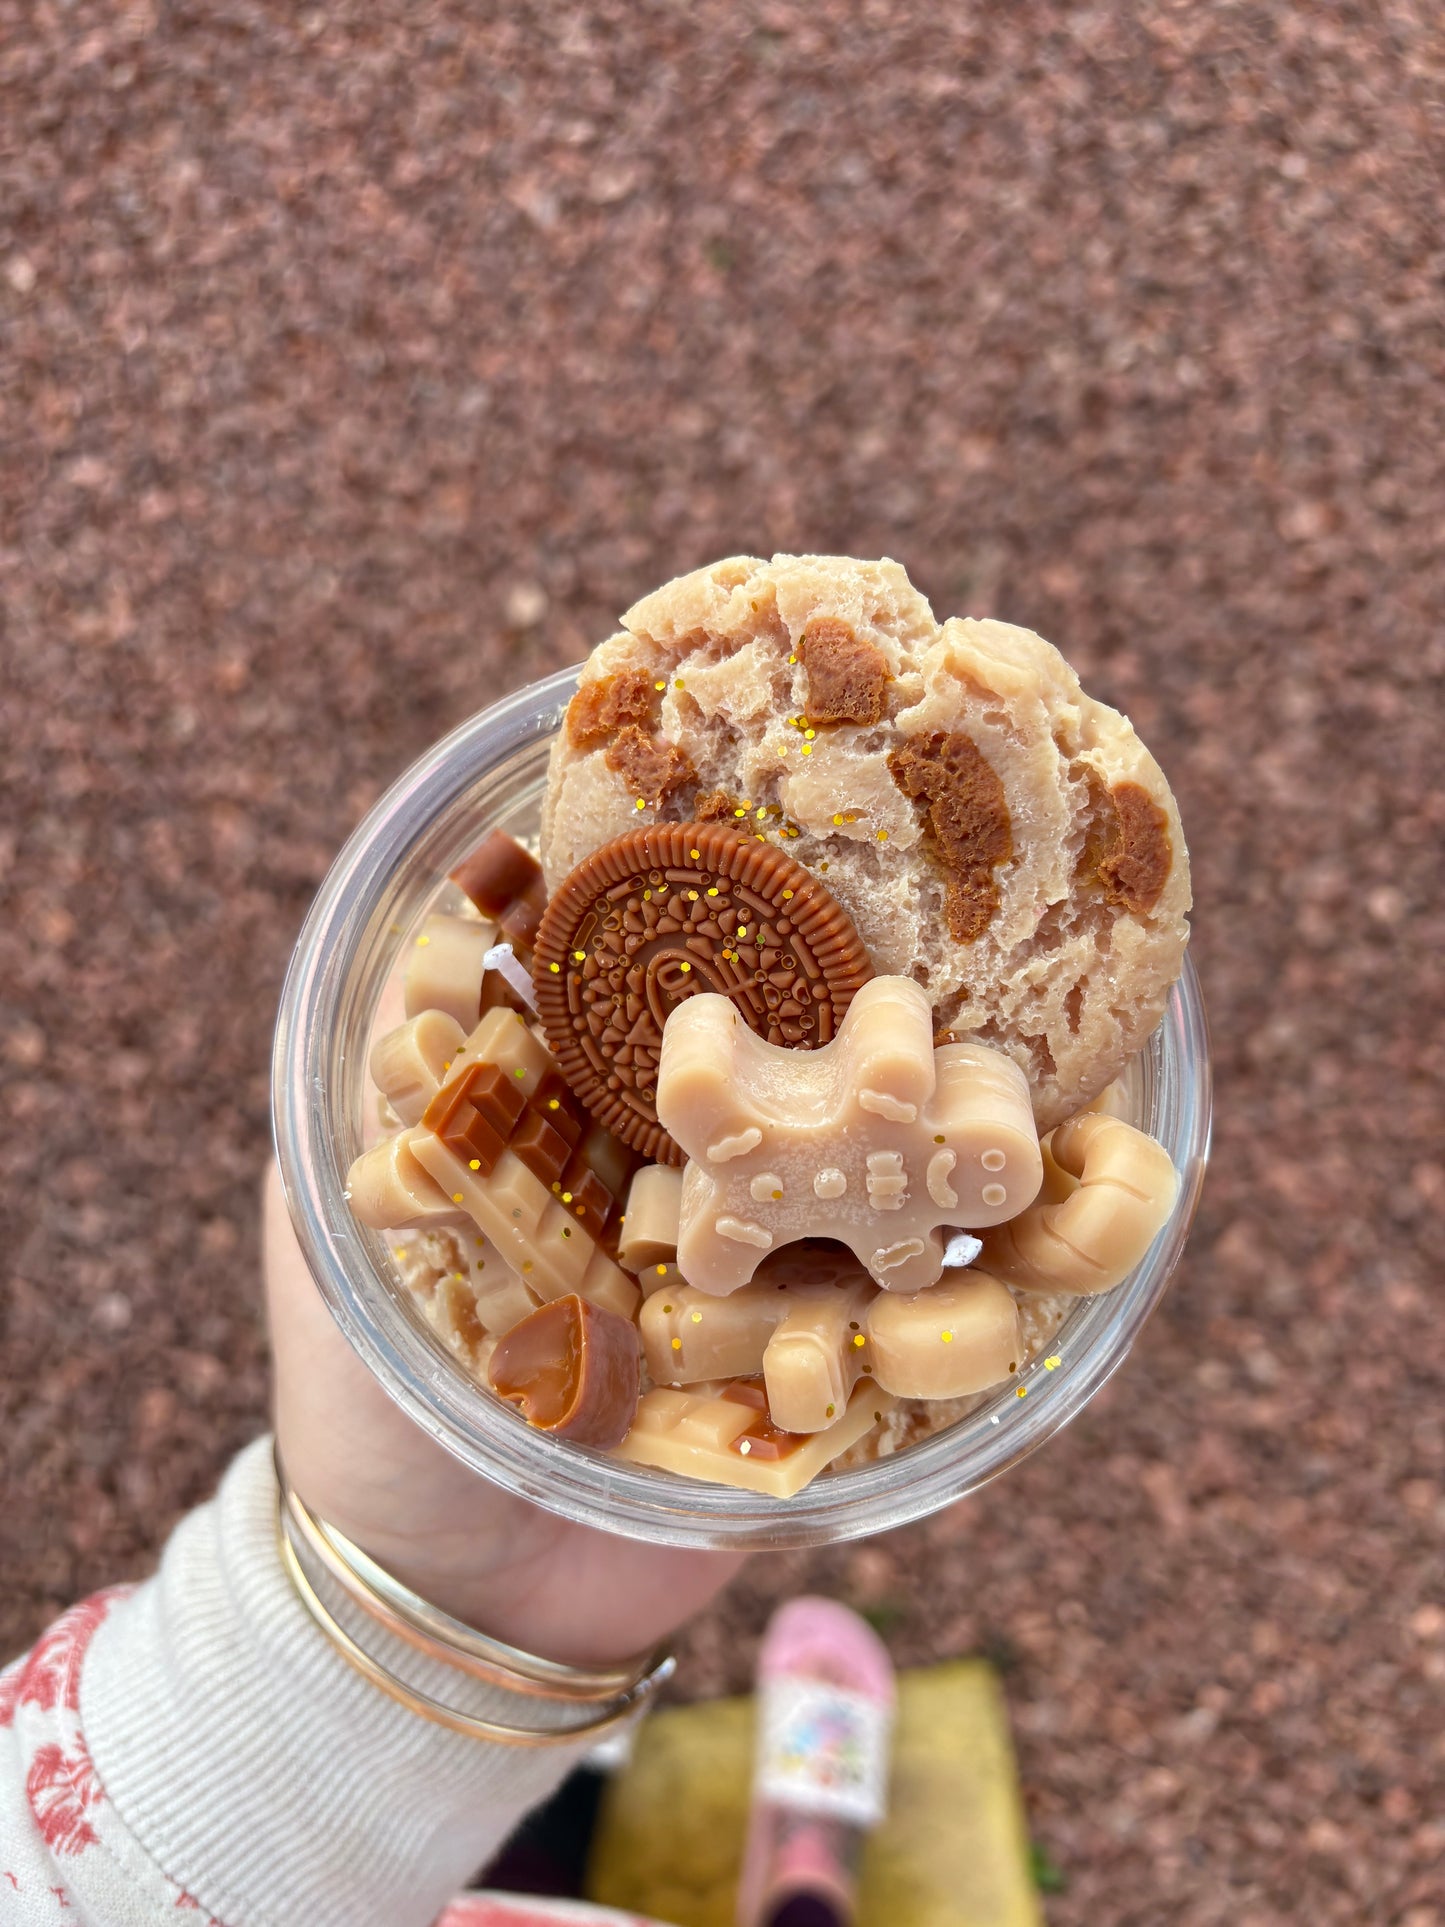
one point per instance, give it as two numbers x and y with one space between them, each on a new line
260 1770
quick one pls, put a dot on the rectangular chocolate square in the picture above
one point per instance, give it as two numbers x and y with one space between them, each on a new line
541 1147
498 1097
460 1126
590 1200
554 1100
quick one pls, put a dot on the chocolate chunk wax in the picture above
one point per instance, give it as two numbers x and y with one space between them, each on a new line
573 1370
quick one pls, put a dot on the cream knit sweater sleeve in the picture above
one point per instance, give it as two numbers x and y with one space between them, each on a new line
197 1744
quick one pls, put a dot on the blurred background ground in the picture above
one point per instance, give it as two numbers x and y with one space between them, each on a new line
362 360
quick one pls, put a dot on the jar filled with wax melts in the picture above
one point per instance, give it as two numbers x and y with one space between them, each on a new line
339 994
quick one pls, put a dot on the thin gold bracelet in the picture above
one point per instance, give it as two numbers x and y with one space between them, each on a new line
436 1634
440 1637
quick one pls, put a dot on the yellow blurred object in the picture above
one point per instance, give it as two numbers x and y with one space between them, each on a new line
953 1851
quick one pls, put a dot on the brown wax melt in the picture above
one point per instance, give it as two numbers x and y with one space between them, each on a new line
505 882
667 911
573 1370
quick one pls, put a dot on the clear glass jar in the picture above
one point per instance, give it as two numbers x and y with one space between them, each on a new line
490 774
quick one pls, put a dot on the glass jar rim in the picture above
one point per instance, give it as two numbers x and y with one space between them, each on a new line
347 947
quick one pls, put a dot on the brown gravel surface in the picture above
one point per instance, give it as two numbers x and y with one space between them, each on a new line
359 360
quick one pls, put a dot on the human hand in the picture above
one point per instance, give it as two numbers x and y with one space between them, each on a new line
558 1590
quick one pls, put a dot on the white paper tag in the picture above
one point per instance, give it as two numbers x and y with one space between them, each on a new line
823 1750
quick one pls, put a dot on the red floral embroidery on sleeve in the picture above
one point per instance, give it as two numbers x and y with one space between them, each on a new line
61 1788
50 1675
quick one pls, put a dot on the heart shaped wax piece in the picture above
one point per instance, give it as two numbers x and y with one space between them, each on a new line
572 1369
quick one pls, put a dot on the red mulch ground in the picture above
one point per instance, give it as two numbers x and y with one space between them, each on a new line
357 361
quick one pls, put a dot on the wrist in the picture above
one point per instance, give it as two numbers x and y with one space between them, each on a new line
383 1629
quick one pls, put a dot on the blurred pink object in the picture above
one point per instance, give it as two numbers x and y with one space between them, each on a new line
825 1714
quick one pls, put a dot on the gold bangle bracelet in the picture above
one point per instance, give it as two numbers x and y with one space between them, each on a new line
438 1636
469 1724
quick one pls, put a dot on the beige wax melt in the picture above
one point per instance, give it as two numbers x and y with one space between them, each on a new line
410 1064
391 1191
727 1437
444 969
649 1225
690 1337
961 1336
876 1140
796 1323
1109 1194
811 1363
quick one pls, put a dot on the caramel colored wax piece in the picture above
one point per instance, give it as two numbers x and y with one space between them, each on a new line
649 1225
960 1336
811 1363
727 1438
876 1140
410 1064
475 1112
813 1297
391 1191
572 1369
690 1337
1118 1188
444 968
487 1150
